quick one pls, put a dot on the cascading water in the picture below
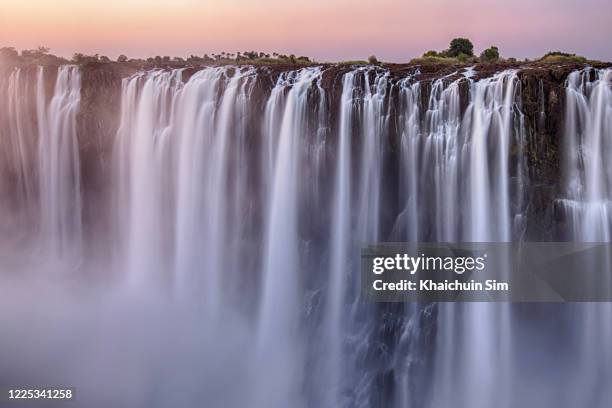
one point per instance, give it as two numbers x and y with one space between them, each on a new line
143 164
43 155
241 198
340 241
452 192
587 175
279 343
587 179
58 157
19 137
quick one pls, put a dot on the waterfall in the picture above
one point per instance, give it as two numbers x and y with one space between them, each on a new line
143 144
374 129
587 175
340 242
587 178
39 141
278 339
19 137
453 192
59 172
241 197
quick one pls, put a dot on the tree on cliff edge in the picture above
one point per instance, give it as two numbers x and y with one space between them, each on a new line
460 46
490 54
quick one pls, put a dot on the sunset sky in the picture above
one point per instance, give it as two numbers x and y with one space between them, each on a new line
328 30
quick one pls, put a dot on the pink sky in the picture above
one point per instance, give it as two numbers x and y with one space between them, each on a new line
393 30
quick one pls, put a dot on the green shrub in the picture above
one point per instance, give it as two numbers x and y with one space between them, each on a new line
490 54
431 53
372 60
460 46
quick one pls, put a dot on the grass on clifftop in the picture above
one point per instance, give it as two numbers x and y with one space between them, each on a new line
558 57
430 60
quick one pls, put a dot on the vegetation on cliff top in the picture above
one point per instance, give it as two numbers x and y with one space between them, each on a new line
459 52
558 56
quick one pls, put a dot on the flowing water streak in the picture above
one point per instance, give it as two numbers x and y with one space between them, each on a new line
217 251
59 171
407 223
278 345
173 153
443 147
18 138
143 160
464 170
491 113
409 130
370 124
194 127
587 183
374 131
487 349
588 179
441 157
41 159
340 243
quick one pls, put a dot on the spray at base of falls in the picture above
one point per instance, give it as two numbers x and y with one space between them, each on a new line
241 197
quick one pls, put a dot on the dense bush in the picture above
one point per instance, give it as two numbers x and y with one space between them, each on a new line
372 60
490 54
460 46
